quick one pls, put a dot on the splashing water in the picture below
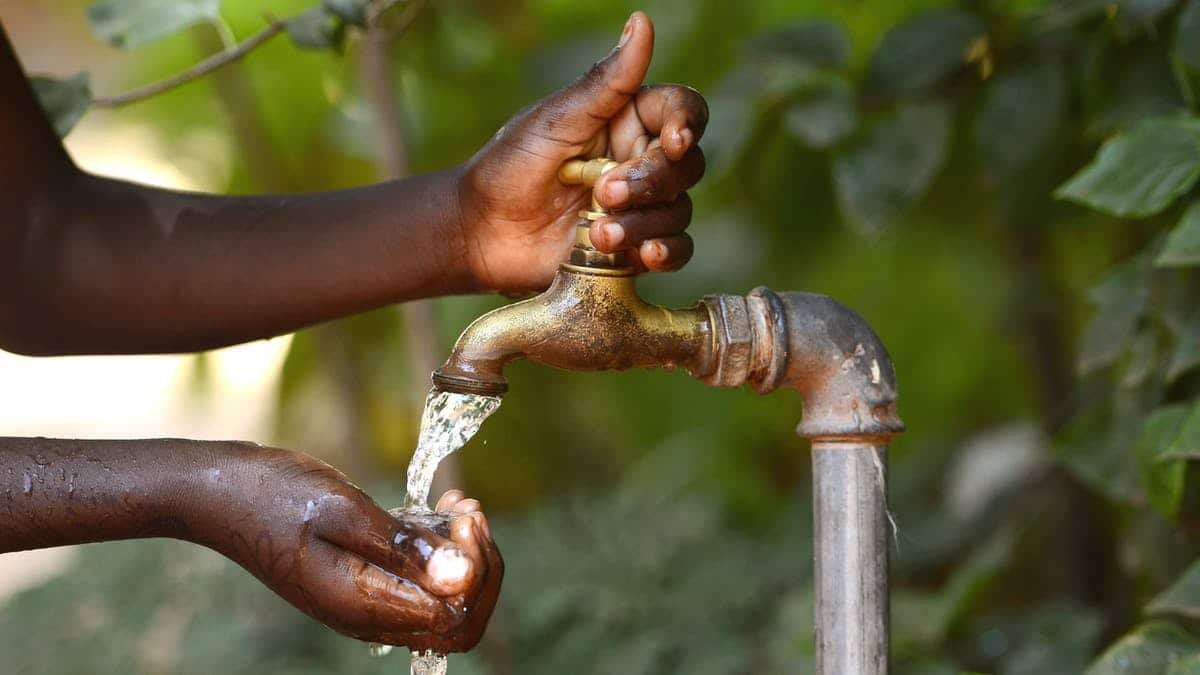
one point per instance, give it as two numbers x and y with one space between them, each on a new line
449 421
428 663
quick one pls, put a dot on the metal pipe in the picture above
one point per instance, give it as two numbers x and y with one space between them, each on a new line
591 318
851 555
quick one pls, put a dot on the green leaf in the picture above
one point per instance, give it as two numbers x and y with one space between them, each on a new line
64 101
1026 104
1141 172
1159 465
1187 349
1187 35
1102 460
1138 16
1188 665
1183 441
1131 88
1182 597
1148 649
129 23
823 114
1182 248
317 29
1143 353
353 12
731 119
820 43
920 52
883 174
1061 639
1120 301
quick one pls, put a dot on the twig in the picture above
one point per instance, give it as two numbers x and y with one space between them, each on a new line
199 70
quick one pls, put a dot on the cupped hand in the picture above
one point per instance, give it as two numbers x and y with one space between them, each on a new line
519 220
327 548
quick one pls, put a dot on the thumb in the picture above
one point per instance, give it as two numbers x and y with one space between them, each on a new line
575 114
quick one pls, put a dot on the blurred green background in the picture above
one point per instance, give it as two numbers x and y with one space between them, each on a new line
653 525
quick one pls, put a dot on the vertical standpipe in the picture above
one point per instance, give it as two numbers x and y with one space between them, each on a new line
851 555
829 354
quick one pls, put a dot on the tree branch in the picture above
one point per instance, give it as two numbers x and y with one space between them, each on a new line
201 69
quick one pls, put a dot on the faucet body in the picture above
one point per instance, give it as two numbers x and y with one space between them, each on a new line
591 318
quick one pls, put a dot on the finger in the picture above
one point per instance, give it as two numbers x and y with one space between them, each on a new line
357 598
483 523
493 576
666 254
365 529
448 499
650 178
624 132
675 113
467 506
628 229
574 115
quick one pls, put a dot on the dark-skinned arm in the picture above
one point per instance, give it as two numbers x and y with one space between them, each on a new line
95 265
294 522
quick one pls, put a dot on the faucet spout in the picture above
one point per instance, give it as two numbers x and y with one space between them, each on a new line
589 319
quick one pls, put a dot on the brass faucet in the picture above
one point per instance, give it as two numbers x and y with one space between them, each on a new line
591 318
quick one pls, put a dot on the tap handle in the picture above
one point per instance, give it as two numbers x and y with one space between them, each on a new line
584 171
587 172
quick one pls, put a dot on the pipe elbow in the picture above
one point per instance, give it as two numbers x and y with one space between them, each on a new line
840 367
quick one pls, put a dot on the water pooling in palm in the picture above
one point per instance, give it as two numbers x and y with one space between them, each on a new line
448 422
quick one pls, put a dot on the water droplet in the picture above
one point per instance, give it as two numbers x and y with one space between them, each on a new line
310 510
377 649
27 483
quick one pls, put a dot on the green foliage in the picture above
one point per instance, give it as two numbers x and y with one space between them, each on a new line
65 101
131 23
1142 172
353 12
1183 243
882 175
1150 649
317 29
1028 103
1120 301
1161 469
823 113
922 51
1183 596
1187 35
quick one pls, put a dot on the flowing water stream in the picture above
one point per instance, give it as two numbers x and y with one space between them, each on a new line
449 421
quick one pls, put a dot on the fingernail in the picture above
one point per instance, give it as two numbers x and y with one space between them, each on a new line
685 137
614 234
660 250
448 566
626 32
617 191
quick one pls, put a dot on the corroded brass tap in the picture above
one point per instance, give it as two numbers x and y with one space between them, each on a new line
591 318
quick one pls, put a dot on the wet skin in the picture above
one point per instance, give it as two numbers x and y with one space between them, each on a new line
91 265
294 522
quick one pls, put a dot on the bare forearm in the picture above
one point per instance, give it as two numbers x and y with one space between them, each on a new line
112 267
55 492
